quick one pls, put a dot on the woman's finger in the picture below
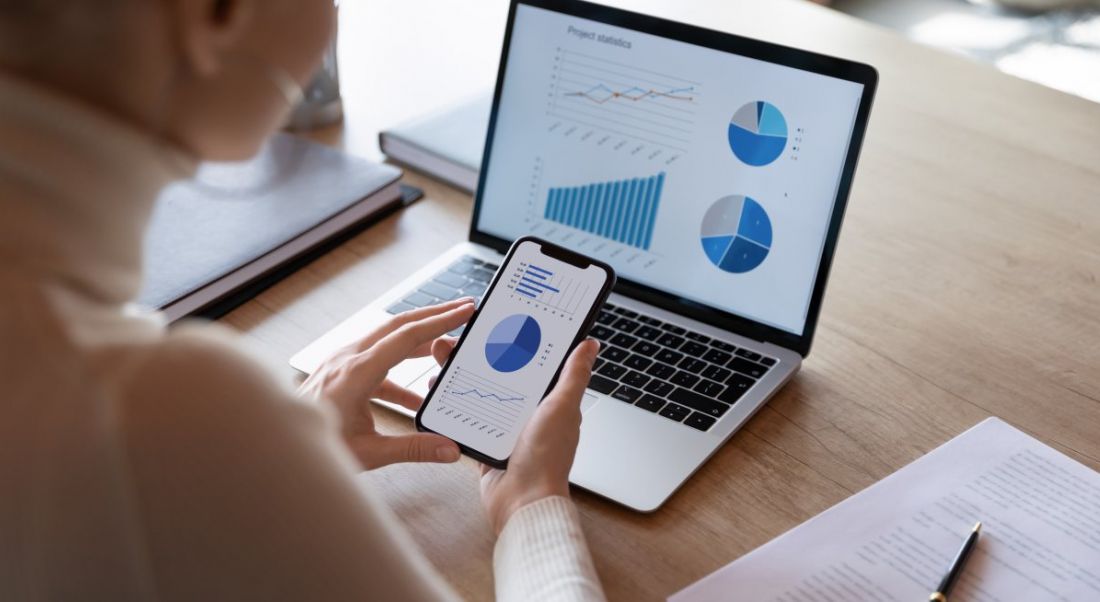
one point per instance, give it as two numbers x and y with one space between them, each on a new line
417 447
395 393
372 364
442 348
574 377
406 317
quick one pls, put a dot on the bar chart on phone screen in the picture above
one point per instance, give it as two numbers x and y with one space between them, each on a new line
555 293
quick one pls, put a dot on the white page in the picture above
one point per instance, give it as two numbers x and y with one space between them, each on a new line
1040 540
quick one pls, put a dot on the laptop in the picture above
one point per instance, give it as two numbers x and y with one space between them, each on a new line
711 170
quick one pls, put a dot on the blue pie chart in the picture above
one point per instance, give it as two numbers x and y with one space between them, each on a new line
736 234
513 343
758 133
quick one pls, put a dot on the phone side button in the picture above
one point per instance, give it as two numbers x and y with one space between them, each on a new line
602 384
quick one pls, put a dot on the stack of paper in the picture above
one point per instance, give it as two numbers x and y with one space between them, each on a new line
1040 514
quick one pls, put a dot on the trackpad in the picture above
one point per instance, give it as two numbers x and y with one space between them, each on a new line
588 402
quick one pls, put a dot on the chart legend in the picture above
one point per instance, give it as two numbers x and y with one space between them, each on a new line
624 210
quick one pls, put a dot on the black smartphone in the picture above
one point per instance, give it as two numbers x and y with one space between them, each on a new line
540 305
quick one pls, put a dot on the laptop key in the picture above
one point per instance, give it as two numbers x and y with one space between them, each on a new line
602 384
614 354
708 388
452 280
699 402
659 388
646 348
635 379
692 365
651 403
767 361
694 349
437 290
700 421
669 357
675 412
606 317
622 311
419 299
399 307
461 267
670 340
740 381
627 394
481 275
623 340
626 325
599 362
744 366
661 370
737 387
717 373
638 362
723 346
649 320
647 333
475 289
749 355
715 356
601 332
695 336
684 379
614 371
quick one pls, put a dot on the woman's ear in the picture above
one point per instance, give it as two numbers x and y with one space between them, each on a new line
209 30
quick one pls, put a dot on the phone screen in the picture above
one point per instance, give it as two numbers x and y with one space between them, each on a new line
513 349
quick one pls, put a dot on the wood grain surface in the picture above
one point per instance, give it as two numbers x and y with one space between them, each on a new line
966 284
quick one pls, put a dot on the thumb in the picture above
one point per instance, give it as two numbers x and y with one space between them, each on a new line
416 447
574 376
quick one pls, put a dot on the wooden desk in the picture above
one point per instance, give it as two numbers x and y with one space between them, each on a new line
966 284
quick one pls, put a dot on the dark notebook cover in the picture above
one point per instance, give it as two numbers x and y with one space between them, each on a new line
232 214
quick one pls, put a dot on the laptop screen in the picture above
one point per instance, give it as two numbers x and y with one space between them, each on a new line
700 173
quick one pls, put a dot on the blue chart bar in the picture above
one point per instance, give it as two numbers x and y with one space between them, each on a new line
534 281
623 210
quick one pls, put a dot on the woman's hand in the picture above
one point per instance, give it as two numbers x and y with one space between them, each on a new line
357 373
540 464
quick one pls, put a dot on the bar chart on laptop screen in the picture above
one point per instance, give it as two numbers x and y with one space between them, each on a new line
624 210
554 292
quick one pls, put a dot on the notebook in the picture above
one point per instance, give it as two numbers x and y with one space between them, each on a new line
1040 514
236 224
447 144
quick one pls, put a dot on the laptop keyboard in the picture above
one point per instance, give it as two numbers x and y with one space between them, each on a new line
684 376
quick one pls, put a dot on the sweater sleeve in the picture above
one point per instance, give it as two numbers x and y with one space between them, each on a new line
542 555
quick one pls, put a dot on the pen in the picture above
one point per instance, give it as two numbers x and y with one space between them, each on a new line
953 573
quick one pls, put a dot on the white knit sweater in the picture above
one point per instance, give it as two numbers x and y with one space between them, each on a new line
142 464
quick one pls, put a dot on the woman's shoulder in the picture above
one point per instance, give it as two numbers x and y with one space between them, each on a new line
199 375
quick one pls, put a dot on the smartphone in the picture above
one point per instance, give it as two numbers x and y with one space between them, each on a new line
540 305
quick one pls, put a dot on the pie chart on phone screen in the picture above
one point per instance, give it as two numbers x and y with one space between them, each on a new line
513 343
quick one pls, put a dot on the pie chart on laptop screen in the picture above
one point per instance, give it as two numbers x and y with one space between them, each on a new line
736 234
513 343
758 133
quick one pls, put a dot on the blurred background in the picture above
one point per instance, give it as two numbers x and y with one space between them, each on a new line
1052 42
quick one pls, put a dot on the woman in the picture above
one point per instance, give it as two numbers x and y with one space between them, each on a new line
143 464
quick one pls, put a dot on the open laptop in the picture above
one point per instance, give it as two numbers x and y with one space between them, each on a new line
711 170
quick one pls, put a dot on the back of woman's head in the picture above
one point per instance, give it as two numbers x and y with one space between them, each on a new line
208 75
